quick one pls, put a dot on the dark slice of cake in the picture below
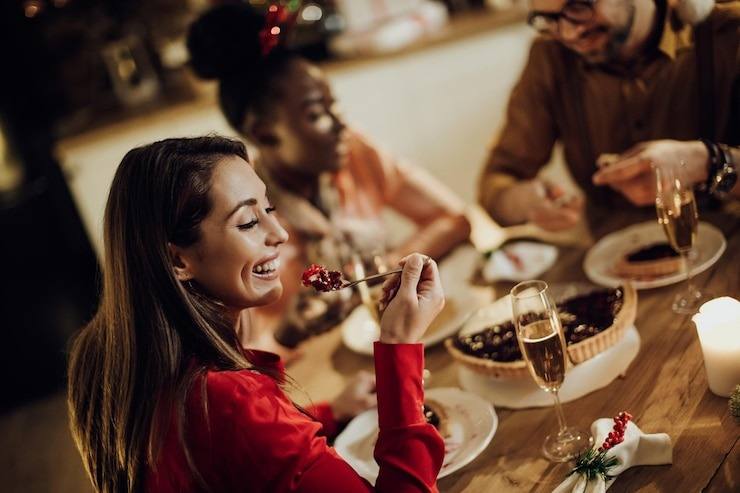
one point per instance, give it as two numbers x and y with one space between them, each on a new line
647 262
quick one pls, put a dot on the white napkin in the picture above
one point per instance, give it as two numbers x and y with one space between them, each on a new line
519 261
637 449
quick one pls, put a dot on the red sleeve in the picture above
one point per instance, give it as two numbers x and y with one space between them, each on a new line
409 451
259 441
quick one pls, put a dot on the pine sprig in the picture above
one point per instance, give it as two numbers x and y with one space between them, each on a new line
735 402
593 464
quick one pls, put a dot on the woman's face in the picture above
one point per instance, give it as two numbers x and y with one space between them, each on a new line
308 133
236 260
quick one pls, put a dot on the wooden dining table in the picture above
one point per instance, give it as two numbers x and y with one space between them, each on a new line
665 388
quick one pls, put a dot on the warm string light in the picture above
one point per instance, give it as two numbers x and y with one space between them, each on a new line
278 20
33 8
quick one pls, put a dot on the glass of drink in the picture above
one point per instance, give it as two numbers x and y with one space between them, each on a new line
542 344
677 213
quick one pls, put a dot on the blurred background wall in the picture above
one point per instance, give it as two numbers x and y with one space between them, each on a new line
84 81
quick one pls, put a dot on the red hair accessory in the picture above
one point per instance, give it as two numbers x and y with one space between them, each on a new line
279 19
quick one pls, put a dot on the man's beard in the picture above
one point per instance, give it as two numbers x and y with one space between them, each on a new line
617 39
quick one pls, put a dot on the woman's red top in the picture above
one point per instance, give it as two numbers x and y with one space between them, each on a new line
252 438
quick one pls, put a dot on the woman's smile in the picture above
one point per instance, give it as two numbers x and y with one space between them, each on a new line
268 269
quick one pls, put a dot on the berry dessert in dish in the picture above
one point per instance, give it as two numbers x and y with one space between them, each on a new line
436 416
322 279
650 261
592 321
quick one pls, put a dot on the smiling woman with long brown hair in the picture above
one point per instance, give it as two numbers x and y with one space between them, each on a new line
162 394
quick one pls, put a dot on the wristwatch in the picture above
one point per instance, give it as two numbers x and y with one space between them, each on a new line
722 173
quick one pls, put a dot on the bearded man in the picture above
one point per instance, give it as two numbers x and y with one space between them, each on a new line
626 86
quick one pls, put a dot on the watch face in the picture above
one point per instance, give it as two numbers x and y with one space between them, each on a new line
726 179
729 180
725 176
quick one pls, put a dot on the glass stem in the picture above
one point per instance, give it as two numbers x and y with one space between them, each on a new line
687 268
559 411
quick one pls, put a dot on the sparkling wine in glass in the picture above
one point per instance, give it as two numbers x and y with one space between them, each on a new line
677 213
542 344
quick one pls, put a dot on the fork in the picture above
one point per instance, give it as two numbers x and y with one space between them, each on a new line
350 284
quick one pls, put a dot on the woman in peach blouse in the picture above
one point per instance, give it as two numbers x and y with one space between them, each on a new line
329 183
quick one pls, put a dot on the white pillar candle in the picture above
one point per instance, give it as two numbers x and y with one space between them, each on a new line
718 326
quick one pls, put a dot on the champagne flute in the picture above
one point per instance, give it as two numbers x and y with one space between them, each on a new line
368 300
677 213
542 344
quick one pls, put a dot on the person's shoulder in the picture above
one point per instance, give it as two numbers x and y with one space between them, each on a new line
545 48
547 57
548 60
363 154
227 387
546 44
726 17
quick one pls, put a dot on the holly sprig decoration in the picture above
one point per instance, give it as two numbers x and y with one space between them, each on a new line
595 463
735 402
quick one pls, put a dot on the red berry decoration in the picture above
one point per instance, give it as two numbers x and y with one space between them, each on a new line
616 436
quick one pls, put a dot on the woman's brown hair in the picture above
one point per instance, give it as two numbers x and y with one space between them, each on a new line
131 365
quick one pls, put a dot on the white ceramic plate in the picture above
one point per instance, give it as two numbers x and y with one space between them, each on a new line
710 244
472 424
534 259
360 330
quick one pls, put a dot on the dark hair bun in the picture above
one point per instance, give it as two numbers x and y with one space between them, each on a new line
225 41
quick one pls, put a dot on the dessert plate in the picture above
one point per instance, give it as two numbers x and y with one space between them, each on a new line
360 329
519 261
472 422
601 258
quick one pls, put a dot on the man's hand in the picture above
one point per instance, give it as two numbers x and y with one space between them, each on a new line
552 209
632 173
